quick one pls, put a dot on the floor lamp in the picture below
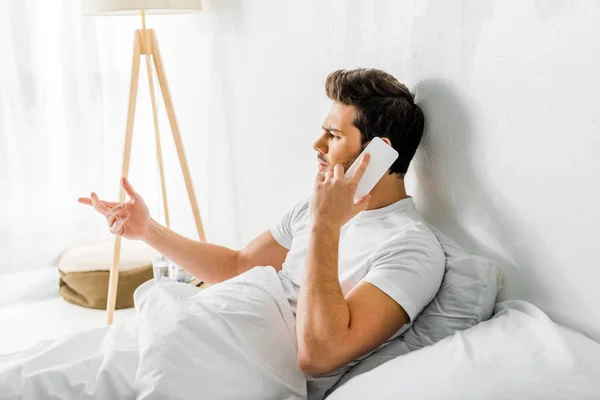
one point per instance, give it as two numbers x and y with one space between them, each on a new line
145 44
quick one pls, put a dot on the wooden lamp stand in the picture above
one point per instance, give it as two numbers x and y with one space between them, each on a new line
145 43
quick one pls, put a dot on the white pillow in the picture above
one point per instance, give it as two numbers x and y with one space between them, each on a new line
518 354
466 297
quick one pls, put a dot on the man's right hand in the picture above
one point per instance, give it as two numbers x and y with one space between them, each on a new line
130 219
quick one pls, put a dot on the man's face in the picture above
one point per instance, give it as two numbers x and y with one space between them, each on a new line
339 142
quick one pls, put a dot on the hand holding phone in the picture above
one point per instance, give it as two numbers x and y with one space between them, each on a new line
382 158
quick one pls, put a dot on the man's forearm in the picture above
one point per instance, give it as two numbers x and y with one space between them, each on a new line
323 315
209 262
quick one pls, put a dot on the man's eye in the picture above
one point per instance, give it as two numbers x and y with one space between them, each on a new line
333 136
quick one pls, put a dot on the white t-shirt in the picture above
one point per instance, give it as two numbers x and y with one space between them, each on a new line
391 248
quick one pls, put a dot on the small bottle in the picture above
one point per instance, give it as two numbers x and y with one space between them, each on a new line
160 268
178 274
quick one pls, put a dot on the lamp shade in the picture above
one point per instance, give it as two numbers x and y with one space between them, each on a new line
133 7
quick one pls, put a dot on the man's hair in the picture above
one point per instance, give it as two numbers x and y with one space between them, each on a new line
384 108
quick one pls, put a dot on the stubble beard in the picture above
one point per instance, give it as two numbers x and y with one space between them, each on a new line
350 159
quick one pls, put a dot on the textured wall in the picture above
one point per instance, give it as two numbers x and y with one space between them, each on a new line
511 93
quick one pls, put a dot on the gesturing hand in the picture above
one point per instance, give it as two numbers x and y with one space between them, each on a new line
332 200
130 219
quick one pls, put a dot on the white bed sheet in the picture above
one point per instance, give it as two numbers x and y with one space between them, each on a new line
518 354
31 310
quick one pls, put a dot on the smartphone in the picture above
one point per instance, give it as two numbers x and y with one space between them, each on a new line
382 158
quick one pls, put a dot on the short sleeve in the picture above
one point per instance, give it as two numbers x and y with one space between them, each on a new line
283 231
409 270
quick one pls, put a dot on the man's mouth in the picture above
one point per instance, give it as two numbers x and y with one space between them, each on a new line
322 164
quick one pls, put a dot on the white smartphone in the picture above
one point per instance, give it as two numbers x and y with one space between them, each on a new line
382 158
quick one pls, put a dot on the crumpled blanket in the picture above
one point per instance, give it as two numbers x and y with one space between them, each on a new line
233 340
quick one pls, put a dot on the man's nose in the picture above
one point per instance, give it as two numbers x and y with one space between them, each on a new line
320 145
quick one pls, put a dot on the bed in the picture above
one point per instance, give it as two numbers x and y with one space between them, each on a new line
518 354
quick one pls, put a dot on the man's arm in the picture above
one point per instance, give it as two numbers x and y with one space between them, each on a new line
333 330
213 263
206 261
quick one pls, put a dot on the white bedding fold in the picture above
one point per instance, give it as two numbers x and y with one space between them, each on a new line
518 354
234 340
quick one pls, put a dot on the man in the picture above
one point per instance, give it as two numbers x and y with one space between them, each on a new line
356 275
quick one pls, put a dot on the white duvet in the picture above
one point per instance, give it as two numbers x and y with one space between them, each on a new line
520 354
234 340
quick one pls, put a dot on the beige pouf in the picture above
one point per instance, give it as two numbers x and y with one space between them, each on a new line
84 272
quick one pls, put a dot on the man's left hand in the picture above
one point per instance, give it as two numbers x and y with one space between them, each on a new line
332 201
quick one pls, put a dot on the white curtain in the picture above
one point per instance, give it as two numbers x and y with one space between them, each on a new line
64 86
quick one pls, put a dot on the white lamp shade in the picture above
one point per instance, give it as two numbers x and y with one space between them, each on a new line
134 7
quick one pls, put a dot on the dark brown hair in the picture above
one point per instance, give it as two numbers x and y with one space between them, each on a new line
384 108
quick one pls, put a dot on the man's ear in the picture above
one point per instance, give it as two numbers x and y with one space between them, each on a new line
386 140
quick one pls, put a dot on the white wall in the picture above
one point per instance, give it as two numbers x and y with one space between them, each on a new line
511 91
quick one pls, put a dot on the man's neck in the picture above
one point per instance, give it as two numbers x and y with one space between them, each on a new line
388 190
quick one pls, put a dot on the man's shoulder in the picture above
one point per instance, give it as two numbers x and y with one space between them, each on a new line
301 207
413 236
298 212
410 226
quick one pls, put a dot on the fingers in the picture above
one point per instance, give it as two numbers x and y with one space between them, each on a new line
320 177
101 208
111 210
87 201
128 188
361 205
115 212
360 170
118 227
338 171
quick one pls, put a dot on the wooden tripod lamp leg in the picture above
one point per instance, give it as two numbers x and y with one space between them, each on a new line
113 279
162 80
157 140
